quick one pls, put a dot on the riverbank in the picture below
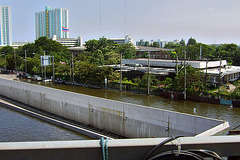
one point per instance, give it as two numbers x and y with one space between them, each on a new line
168 95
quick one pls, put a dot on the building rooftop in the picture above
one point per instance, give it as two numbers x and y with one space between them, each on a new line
166 63
151 49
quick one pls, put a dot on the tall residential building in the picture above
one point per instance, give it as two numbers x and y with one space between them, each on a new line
52 22
5 26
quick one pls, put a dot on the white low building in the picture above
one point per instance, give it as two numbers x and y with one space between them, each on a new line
212 68
69 41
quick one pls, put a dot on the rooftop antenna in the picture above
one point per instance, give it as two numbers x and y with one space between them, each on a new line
125 17
214 36
100 18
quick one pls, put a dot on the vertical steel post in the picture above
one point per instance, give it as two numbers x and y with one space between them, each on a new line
177 64
206 74
53 69
44 67
148 90
185 78
25 61
72 68
121 71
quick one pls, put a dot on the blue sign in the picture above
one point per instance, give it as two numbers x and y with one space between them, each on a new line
225 102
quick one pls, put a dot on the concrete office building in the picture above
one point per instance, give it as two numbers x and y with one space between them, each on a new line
5 26
69 41
52 22
127 39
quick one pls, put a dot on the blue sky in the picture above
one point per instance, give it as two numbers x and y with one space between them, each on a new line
207 21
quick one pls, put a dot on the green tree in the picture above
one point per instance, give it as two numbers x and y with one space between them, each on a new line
195 81
182 43
180 50
128 50
193 52
13 61
92 45
144 81
62 69
7 50
49 45
155 44
112 58
191 41
229 52
84 71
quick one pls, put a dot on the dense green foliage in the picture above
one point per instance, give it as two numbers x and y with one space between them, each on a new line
88 67
229 52
195 81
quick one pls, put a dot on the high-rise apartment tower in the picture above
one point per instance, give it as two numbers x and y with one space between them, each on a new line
52 22
5 26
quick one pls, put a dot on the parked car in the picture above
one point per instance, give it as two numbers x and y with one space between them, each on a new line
36 78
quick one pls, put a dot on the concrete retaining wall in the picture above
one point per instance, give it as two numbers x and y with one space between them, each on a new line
125 119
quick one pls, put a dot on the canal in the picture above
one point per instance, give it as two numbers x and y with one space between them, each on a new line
16 126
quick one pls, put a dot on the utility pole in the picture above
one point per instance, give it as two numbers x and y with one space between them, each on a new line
44 68
148 90
220 79
200 52
177 64
15 61
5 65
121 71
53 69
185 72
25 61
72 68
206 74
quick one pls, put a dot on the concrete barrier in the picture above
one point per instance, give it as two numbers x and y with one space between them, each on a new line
119 149
129 120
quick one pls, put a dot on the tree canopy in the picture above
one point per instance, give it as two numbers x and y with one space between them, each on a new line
103 51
